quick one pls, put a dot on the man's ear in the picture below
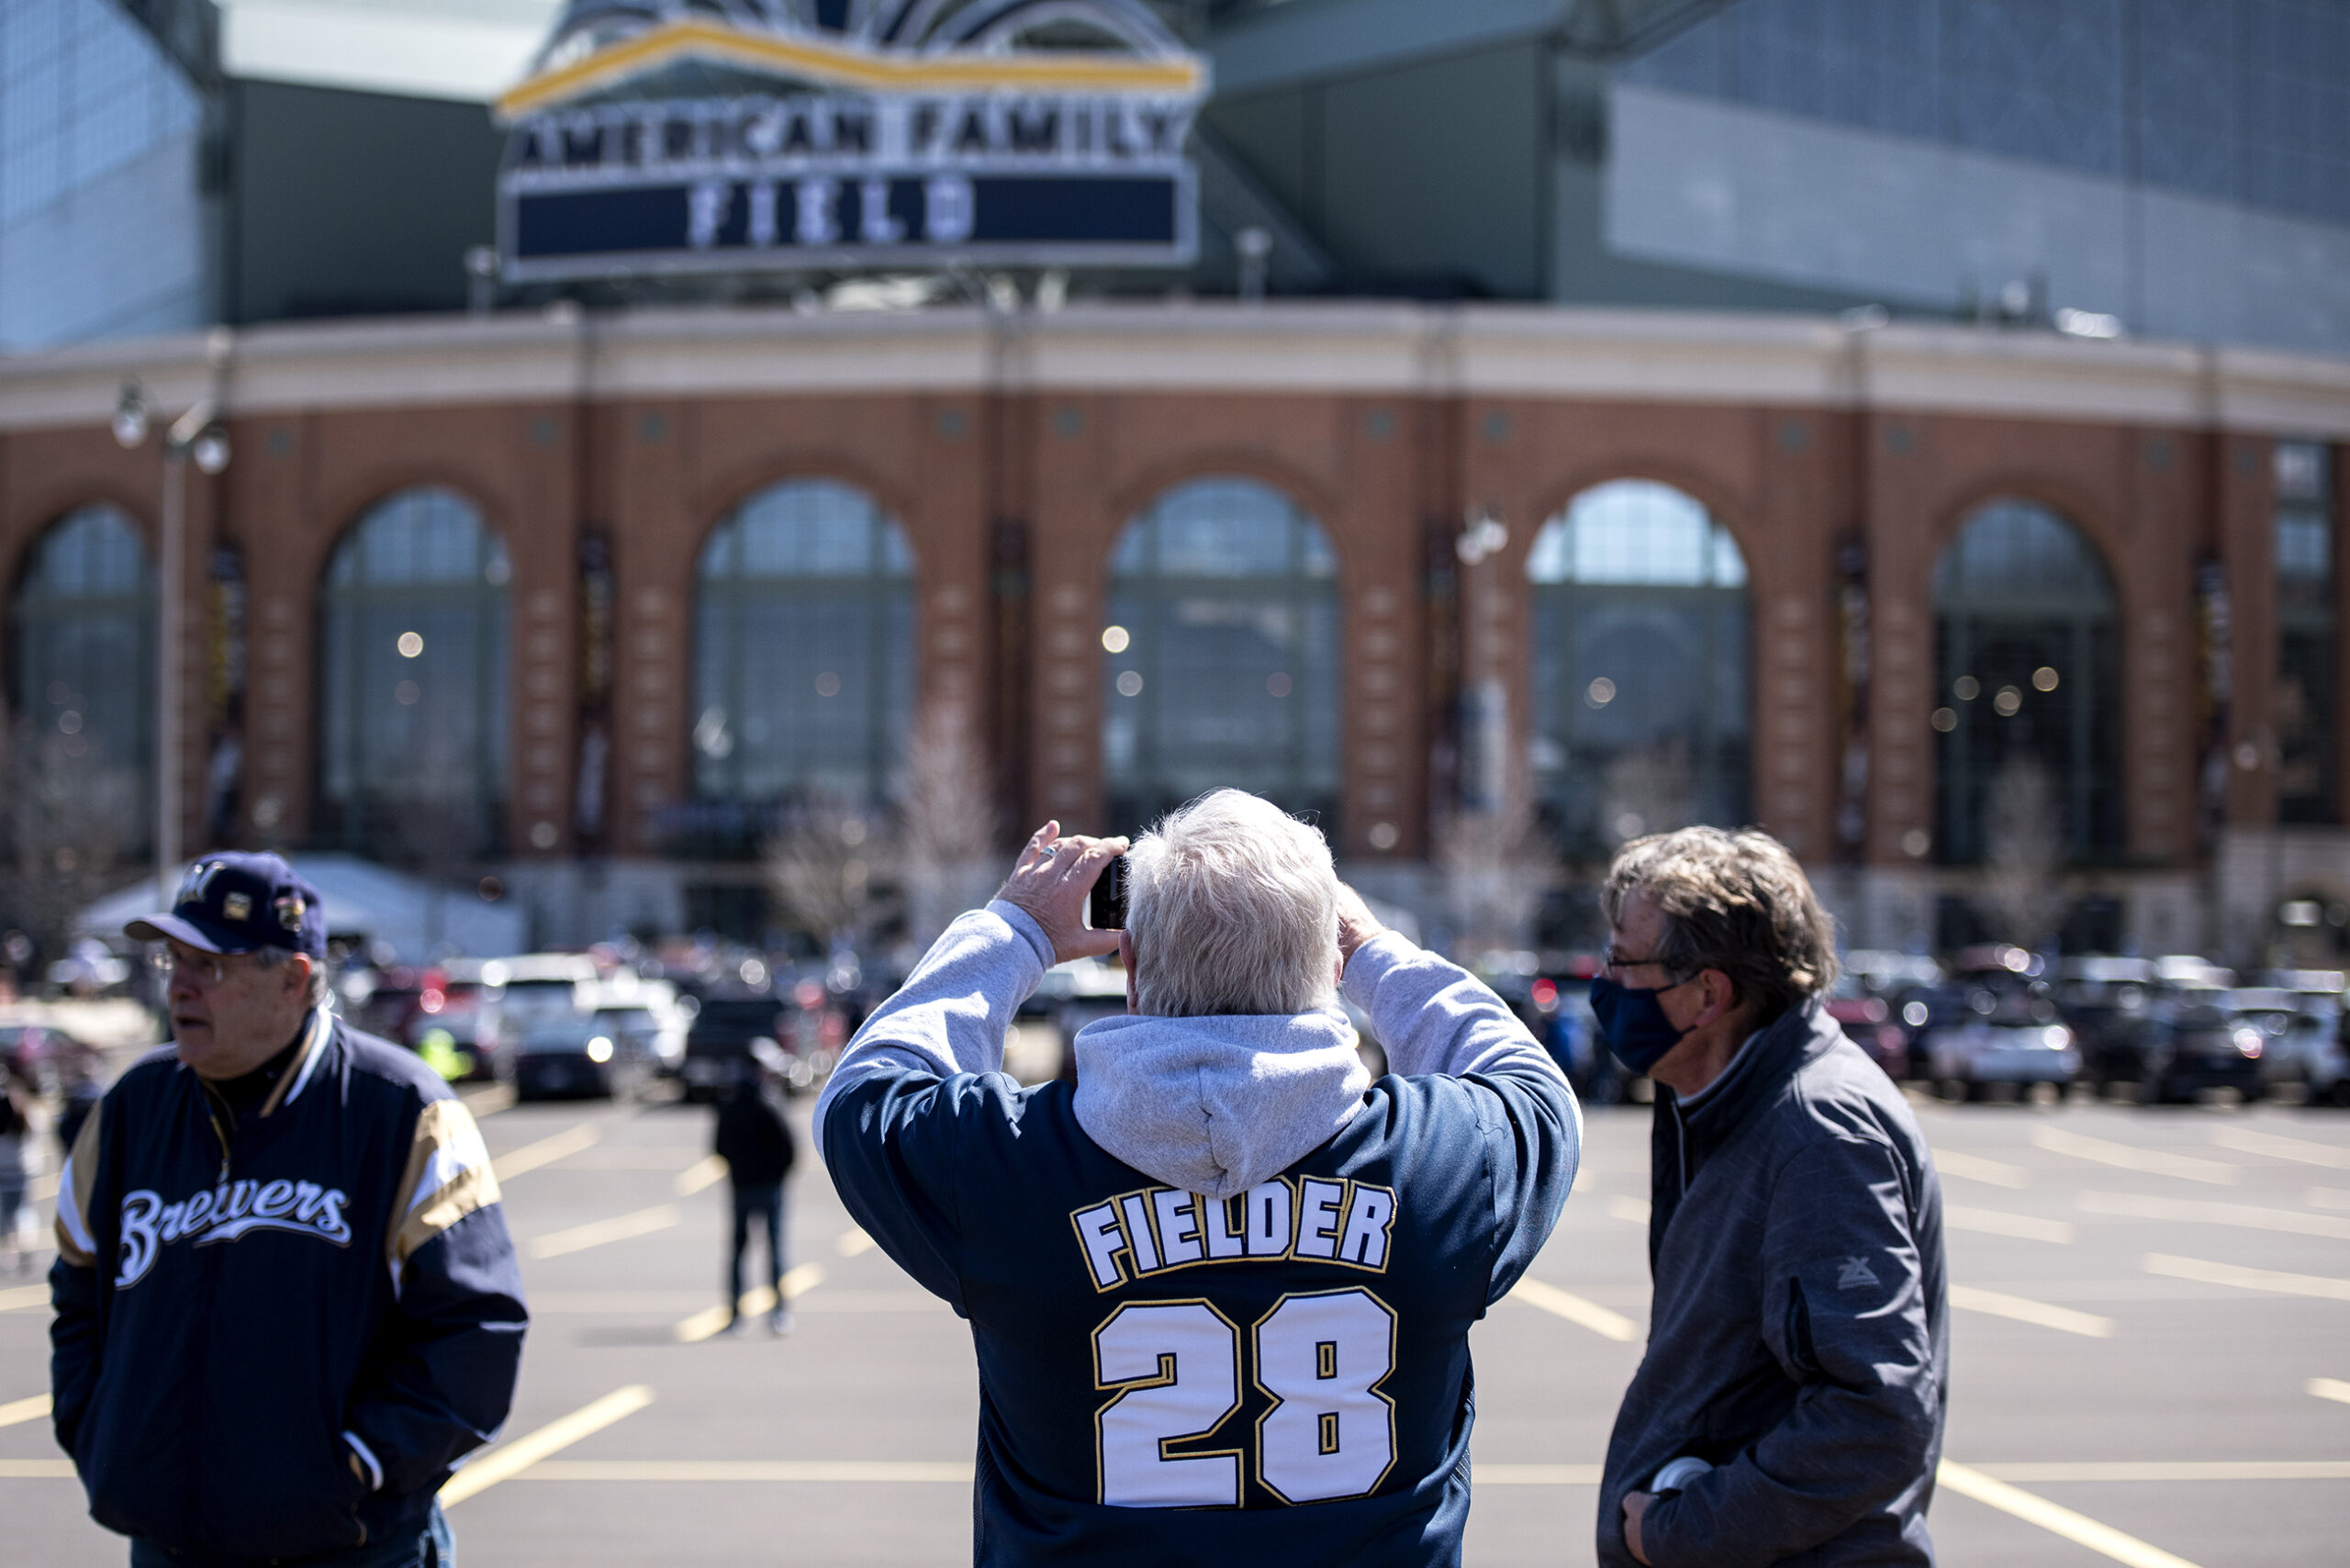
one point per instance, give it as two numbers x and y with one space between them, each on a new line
1721 996
1126 962
300 973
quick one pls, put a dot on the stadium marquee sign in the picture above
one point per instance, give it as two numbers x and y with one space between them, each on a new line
853 156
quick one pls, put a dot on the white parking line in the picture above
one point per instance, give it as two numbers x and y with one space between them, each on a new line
2130 1157
505 1462
854 1242
2275 1280
1998 1304
1636 1210
2245 1141
756 1303
18 1411
1575 1309
546 1151
2174 1469
1975 1168
2078 1529
1994 1221
2236 1216
955 1471
2330 1388
703 1172
619 1228
24 1295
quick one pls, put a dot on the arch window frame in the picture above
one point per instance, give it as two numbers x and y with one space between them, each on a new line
348 814
1150 577
724 601
1624 564
1979 619
40 610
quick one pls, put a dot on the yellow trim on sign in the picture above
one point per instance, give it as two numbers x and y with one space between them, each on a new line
848 66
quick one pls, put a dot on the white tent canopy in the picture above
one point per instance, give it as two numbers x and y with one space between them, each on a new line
363 900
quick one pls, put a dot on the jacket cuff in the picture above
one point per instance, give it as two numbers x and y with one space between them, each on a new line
1024 923
366 1457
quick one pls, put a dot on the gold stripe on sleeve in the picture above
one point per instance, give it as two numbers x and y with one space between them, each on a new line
448 1177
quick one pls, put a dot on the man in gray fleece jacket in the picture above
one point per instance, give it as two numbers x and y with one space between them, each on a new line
1221 1290
1798 1342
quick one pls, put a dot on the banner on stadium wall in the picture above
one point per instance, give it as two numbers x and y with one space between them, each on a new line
671 139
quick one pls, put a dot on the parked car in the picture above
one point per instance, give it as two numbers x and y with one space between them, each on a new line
598 1054
2310 1050
1869 1024
718 1041
1997 1035
518 993
2108 1002
2199 1044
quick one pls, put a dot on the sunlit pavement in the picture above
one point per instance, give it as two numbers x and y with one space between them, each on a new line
2151 1359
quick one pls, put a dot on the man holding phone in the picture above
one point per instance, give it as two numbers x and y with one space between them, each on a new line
1226 1275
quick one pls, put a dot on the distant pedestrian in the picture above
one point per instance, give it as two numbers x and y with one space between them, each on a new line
81 1098
1790 1405
753 1137
287 1301
17 1154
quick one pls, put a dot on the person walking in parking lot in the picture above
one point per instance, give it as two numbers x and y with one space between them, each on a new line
287 1301
1790 1405
754 1137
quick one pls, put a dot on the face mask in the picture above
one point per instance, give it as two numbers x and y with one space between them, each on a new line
1633 1023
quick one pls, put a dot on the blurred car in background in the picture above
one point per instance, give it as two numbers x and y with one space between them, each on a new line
2109 1003
599 1054
718 1040
2311 1050
44 1059
1996 1026
2200 1041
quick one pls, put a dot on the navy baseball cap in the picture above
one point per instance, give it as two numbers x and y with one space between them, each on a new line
234 903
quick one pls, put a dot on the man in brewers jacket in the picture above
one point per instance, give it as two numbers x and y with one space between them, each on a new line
1790 1406
287 1301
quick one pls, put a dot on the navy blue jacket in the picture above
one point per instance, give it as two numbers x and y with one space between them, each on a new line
274 1337
1279 1377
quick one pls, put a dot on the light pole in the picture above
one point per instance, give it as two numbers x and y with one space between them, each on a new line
196 435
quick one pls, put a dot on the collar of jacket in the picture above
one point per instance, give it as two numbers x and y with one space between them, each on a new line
1681 1141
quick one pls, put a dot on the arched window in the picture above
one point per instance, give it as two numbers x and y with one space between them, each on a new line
2028 699
1223 644
1641 687
804 649
82 670
412 757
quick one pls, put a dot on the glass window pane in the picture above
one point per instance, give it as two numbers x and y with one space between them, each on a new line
2028 667
1640 667
1228 673
83 687
412 721
803 657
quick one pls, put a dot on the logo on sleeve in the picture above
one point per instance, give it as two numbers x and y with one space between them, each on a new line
1854 1274
223 1213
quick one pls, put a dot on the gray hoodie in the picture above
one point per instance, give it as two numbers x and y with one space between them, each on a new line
1213 1104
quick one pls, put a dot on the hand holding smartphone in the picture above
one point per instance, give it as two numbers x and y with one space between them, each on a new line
1105 907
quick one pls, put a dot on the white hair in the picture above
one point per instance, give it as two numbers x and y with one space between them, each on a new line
1234 908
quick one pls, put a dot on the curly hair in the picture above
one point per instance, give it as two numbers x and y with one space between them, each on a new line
1733 901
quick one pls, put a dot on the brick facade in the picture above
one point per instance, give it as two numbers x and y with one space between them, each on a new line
1376 424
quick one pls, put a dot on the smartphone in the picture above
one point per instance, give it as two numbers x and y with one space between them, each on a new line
1106 909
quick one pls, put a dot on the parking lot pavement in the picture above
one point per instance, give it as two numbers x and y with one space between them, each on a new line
2150 1360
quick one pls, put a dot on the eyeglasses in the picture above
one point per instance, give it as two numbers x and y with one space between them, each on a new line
207 970
1610 963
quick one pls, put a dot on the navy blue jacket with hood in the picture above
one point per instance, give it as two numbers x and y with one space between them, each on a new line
277 1329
